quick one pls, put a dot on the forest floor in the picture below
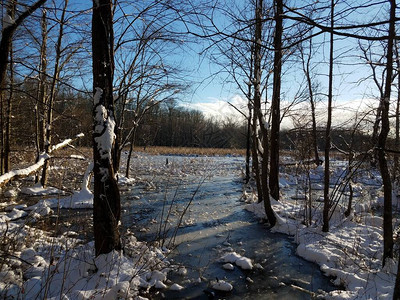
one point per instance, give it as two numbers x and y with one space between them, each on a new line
47 252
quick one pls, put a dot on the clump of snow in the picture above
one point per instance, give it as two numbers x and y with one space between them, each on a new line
97 95
241 261
104 128
123 180
7 21
228 266
81 157
182 271
176 287
221 285
39 190
25 171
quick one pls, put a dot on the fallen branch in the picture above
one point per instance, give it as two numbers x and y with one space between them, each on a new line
20 173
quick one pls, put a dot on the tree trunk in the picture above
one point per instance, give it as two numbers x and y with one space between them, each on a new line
7 134
50 104
307 72
7 120
106 207
325 216
1 134
383 166
132 144
257 111
248 140
275 105
397 133
41 92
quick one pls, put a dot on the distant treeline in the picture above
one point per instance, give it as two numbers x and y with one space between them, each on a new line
165 124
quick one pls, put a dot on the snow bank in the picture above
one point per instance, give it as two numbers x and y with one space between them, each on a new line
351 252
79 199
54 268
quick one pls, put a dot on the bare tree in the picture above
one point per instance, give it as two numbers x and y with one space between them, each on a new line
258 113
52 95
106 207
327 202
383 166
276 100
10 24
306 64
41 90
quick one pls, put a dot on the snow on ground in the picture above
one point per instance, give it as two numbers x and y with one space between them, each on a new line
351 252
37 265
44 267
39 190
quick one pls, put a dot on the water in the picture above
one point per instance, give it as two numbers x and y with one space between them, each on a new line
218 224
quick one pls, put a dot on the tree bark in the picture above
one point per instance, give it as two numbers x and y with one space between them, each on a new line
257 111
7 136
106 208
307 72
132 144
41 92
383 166
397 133
276 99
325 214
248 136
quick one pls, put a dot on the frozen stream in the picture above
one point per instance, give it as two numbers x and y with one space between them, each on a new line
215 223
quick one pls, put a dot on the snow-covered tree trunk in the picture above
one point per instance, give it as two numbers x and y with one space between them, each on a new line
106 207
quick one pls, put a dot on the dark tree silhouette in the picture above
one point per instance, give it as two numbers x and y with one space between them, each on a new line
106 207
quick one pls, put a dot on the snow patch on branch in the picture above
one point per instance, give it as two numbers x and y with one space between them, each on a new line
97 95
7 21
29 170
26 171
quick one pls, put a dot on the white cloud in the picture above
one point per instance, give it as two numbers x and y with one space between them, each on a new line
222 108
344 113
